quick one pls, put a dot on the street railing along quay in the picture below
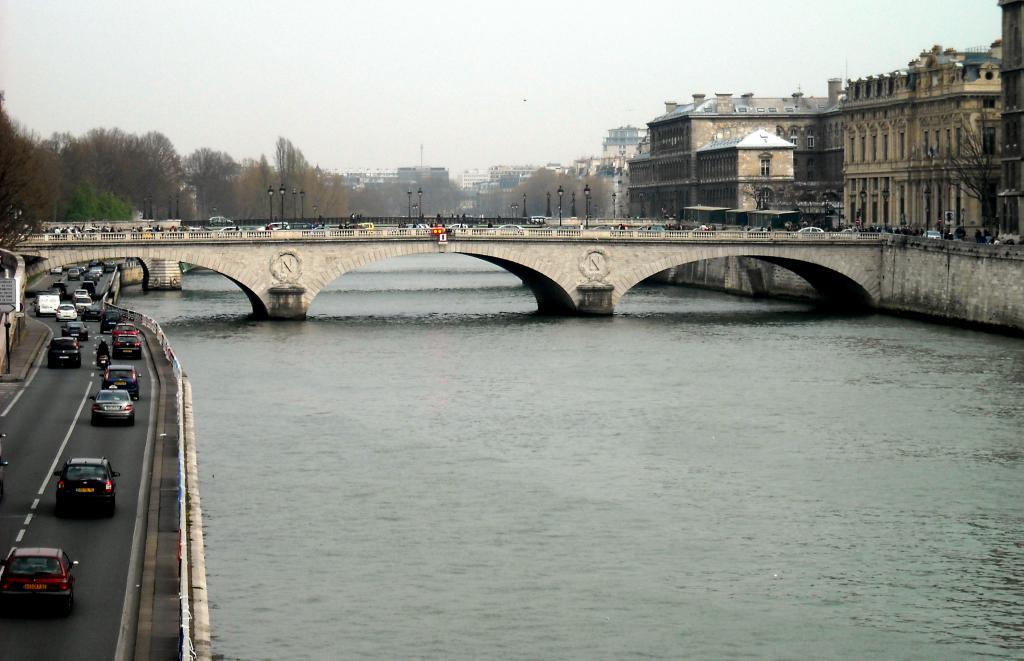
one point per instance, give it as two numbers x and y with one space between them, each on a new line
477 233
194 620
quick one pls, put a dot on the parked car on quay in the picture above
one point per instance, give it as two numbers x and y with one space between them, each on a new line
126 345
64 352
66 312
113 405
75 329
88 482
38 575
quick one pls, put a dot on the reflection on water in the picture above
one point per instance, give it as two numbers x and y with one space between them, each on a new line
427 469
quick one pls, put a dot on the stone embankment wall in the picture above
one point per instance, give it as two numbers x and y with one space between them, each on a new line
952 281
13 266
131 274
744 276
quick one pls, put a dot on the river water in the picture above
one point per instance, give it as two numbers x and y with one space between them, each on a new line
424 469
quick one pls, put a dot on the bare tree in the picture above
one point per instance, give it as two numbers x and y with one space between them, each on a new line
975 163
23 199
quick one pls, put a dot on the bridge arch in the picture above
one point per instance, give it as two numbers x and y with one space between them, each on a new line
841 283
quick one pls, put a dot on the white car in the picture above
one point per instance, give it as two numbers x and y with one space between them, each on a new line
810 230
66 312
933 234
57 270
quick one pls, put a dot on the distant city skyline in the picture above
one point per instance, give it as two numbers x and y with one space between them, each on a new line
475 85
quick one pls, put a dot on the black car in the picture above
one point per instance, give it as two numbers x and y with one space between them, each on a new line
126 345
122 377
86 481
64 352
110 319
108 267
93 313
75 329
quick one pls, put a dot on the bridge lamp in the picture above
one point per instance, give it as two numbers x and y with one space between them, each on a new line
524 205
586 193
270 196
295 194
615 208
419 191
885 207
927 207
409 214
282 191
863 207
302 204
561 192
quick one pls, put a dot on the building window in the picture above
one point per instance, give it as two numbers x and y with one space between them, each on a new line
885 147
863 149
903 145
874 148
989 103
766 166
810 141
988 146
794 137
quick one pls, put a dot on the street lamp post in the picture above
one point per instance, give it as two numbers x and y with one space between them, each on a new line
419 191
408 216
927 207
316 216
548 214
282 190
302 204
586 219
295 195
643 210
863 208
524 205
270 197
615 207
572 205
561 191
885 207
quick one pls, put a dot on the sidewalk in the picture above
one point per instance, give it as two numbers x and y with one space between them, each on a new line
23 354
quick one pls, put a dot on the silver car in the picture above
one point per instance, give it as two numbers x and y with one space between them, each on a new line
112 406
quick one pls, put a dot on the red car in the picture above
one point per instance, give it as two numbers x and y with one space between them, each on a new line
38 575
123 329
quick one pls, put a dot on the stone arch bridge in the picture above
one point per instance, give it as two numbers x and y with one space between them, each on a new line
570 271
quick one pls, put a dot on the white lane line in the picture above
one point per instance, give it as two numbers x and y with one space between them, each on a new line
28 520
60 451
31 376
21 533
35 504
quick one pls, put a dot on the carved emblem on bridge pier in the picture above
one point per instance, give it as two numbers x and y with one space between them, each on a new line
594 265
286 266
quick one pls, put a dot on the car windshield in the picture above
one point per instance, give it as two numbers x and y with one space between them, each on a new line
119 374
33 566
63 343
85 472
112 396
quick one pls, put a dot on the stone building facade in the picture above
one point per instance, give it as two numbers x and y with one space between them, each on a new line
913 136
665 177
745 172
1012 74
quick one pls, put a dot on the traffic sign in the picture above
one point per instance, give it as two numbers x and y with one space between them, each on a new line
442 238
9 293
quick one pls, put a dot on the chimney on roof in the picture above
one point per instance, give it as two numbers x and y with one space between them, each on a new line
670 107
835 88
697 100
748 96
723 102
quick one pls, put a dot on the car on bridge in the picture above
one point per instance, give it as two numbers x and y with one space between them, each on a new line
86 481
113 405
38 575
75 329
810 230
511 229
64 352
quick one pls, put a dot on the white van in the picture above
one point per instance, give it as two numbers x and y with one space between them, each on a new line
47 304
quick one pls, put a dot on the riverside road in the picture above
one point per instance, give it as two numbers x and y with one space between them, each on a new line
47 421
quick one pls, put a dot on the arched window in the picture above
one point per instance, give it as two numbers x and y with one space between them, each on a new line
794 136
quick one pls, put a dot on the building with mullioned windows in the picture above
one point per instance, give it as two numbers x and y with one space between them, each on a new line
667 175
1012 74
921 143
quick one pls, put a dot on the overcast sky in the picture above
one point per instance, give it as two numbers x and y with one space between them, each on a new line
360 85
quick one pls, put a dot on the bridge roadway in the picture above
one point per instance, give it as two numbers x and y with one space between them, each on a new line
46 420
569 270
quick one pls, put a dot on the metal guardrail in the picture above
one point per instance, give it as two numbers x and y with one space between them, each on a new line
484 233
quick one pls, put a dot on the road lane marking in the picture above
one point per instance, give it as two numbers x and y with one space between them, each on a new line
21 533
67 437
28 520
35 503
31 376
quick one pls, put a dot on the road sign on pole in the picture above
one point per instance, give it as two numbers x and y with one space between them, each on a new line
8 294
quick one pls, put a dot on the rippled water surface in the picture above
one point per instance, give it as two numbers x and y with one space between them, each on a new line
424 469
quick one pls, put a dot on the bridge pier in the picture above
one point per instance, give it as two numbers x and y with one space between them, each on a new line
163 274
286 302
595 298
